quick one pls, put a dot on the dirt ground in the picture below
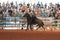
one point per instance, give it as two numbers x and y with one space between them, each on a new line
29 35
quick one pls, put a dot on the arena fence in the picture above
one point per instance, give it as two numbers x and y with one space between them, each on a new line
49 22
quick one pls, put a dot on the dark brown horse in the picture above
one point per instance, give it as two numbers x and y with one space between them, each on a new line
36 21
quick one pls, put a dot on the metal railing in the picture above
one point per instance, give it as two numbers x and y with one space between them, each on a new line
17 22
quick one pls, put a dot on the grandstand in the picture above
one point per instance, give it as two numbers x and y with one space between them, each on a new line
11 14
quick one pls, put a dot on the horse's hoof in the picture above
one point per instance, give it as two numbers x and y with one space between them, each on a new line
37 29
21 28
26 29
31 29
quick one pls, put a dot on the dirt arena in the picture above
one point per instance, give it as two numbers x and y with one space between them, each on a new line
29 35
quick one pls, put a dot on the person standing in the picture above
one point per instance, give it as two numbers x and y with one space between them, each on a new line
41 5
0 5
28 5
16 6
45 6
38 5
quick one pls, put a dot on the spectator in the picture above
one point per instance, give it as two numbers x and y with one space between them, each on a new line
20 5
28 5
16 5
34 6
12 4
44 13
41 5
45 6
38 5
10 12
0 5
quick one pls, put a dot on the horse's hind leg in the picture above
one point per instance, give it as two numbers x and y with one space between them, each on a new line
38 27
43 27
27 27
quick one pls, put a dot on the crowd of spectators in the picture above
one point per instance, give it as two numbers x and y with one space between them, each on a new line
40 9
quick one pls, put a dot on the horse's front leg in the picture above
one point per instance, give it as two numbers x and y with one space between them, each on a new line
31 27
27 26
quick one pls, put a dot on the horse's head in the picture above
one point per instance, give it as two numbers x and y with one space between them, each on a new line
26 15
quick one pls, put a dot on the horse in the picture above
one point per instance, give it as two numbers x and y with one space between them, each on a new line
36 21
